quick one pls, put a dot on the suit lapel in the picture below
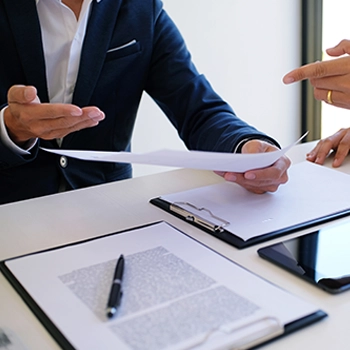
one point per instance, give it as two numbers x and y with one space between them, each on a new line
25 25
96 43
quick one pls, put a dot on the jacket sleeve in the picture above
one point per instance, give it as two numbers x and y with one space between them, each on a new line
203 119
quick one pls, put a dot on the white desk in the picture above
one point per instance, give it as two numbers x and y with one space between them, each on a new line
50 221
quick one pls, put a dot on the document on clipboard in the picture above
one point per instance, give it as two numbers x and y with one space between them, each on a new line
314 194
177 295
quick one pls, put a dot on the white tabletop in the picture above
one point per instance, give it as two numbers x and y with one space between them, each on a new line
37 224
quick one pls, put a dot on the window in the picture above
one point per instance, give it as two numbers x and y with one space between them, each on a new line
336 26
311 52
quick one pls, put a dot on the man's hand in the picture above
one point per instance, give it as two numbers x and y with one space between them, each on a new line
330 79
261 180
26 118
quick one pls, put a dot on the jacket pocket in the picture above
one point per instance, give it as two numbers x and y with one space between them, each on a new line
127 49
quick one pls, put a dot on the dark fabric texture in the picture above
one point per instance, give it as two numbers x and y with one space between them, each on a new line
158 63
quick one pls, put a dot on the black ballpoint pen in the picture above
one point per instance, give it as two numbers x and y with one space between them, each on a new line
116 289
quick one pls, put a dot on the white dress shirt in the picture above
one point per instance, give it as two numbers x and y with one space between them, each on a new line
63 35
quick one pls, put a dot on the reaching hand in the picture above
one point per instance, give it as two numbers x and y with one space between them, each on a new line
330 79
27 118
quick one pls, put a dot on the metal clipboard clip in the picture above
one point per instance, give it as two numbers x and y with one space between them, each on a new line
189 216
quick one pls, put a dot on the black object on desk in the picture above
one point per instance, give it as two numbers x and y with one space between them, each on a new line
320 257
116 289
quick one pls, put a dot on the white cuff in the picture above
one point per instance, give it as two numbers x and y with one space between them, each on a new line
242 142
239 144
5 138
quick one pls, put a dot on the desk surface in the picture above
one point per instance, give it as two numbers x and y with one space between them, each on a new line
50 221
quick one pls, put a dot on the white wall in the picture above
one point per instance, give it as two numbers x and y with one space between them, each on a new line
244 47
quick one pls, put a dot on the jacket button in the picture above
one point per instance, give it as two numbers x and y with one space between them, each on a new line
63 162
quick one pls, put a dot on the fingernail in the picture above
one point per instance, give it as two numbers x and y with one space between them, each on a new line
96 115
336 162
230 177
76 112
289 80
28 94
250 176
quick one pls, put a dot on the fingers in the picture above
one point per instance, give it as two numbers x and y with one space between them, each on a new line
325 68
334 82
340 142
54 126
308 71
319 153
26 118
330 79
318 70
342 48
49 134
330 96
22 94
341 152
59 120
336 98
261 180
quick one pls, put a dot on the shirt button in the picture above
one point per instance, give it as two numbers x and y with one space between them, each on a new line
63 162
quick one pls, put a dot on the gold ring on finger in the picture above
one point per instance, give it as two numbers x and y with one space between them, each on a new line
329 97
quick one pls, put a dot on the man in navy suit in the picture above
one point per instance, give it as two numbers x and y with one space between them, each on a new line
72 73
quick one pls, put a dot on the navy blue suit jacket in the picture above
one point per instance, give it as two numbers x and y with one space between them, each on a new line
113 80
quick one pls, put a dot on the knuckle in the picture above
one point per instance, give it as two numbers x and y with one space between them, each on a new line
325 143
255 190
343 130
300 74
284 179
318 94
319 70
259 191
344 144
272 188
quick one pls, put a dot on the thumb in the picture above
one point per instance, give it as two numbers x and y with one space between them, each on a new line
341 49
22 94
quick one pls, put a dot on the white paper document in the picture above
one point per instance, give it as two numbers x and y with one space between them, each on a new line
177 294
184 159
312 192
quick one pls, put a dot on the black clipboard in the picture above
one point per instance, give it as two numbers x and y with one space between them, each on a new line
62 341
219 231
313 195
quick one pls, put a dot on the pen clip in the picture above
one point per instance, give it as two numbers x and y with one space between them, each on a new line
176 208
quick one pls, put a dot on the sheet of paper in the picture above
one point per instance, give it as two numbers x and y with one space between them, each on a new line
177 294
312 192
184 159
